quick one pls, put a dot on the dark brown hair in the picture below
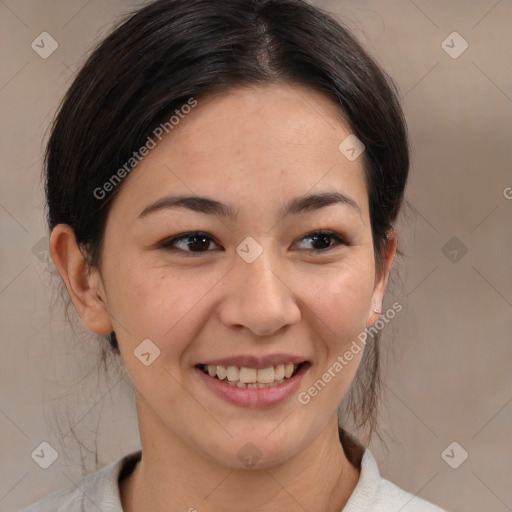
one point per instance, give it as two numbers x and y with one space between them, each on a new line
171 50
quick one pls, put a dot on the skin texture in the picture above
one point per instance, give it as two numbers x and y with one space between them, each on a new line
254 148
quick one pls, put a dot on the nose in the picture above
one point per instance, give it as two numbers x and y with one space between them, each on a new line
258 297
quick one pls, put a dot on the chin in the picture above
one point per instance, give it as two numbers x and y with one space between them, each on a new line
259 451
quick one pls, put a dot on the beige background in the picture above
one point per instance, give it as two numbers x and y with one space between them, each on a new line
448 374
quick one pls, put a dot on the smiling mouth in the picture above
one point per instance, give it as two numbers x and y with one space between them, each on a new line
252 378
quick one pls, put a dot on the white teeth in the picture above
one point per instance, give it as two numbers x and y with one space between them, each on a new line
220 370
266 375
247 374
232 373
279 372
251 377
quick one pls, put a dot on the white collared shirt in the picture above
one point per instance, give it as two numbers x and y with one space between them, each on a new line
100 491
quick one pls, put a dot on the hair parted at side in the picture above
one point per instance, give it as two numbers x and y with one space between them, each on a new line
159 57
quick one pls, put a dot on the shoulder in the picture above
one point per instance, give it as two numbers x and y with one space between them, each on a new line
373 492
97 491
380 495
391 498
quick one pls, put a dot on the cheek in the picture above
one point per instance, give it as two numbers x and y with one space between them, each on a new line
164 305
339 303
167 310
341 298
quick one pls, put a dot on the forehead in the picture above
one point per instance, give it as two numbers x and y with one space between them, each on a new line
284 116
260 141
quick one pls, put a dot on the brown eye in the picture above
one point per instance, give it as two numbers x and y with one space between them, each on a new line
198 242
321 240
195 242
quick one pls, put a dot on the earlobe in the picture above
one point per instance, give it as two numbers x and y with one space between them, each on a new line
381 282
86 291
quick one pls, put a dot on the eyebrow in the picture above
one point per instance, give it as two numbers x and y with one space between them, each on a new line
210 206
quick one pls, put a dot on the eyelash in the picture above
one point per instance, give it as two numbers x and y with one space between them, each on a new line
168 244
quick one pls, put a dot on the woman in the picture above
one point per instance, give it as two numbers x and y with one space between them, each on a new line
222 182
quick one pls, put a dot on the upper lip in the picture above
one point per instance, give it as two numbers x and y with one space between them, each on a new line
250 361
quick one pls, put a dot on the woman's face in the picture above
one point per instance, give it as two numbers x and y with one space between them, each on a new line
258 289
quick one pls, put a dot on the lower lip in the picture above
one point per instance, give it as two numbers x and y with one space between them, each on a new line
254 397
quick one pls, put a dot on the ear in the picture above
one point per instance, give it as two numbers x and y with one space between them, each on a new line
381 281
86 291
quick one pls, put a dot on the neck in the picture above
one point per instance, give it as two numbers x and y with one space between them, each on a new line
320 478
